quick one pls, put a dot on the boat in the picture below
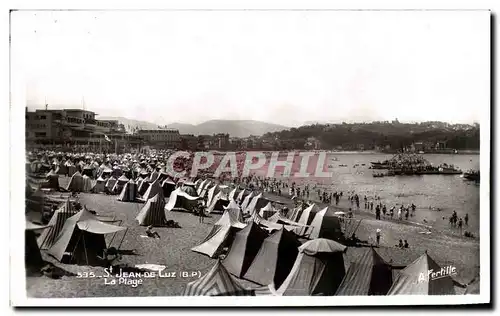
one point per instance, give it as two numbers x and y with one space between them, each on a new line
472 175
378 175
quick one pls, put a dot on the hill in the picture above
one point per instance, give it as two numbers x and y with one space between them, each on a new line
235 128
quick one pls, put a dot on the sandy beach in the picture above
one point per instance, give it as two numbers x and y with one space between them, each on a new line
173 251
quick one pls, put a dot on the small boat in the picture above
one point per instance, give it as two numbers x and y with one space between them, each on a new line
472 175
378 175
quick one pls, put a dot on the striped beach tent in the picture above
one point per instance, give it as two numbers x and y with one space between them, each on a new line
56 223
153 212
324 225
129 192
217 282
305 219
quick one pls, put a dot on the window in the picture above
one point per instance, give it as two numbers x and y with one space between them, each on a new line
43 117
40 134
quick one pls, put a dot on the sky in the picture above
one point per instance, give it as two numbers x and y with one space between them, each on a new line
283 67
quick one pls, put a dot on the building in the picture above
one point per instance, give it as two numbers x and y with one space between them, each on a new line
188 142
220 141
75 127
164 138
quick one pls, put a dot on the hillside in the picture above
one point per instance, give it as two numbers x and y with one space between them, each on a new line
235 128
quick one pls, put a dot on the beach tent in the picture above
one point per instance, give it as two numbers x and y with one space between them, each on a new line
473 287
82 239
120 183
245 246
201 185
305 219
212 193
62 168
71 168
181 201
56 224
218 204
369 275
75 183
99 186
221 236
217 282
234 208
111 183
32 256
275 259
269 226
116 171
153 212
168 186
129 192
318 269
324 225
231 194
415 279
206 188
153 190
230 219
153 177
87 184
106 172
143 187
246 201
267 211
52 180
88 171
189 190
242 195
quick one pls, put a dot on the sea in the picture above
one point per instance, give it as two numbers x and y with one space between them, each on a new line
429 193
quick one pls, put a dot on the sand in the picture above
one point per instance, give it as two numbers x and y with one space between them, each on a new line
173 251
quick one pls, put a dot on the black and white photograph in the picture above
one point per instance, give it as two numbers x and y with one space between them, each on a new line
182 157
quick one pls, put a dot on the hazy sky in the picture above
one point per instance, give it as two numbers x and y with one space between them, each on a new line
282 67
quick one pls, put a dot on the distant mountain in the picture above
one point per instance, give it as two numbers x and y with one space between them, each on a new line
235 128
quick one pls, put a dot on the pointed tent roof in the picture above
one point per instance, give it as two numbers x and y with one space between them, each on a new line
218 282
305 219
85 222
240 195
275 259
123 179
153 190
324 225
178 200
251 206
244 248
229 219
129 192
246 201
318 269
217 204
413 279
153 212
219 237
231 194
212 193
370 275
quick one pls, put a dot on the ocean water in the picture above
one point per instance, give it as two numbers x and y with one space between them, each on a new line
446 192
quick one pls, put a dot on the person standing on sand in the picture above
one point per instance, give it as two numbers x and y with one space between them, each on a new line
391 212
377 212
466 220
407 213
400 213
460 224
378 236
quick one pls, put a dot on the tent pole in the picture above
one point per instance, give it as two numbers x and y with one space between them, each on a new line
76 245
121 241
